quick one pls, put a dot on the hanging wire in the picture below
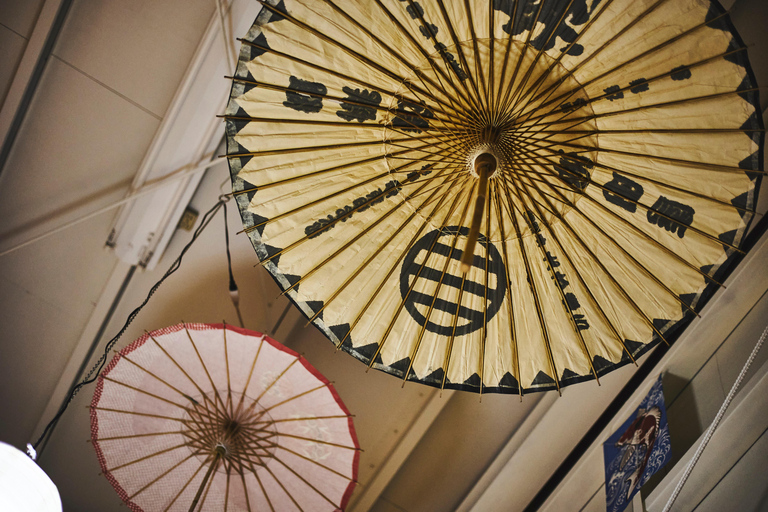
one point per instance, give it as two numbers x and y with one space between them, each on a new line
234 293
711 430
94 372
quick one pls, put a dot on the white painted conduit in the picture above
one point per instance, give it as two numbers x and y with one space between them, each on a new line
711 430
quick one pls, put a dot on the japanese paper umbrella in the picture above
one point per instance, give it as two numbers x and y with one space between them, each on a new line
606 155
212 417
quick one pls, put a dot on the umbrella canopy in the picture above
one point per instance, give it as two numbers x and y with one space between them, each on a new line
212 417
606 156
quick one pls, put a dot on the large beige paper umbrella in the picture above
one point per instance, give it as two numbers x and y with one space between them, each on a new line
623 152
212 417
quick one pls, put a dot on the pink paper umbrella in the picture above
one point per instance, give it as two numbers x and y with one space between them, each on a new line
212 417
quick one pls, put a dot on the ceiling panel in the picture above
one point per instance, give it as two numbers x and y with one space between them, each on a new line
140 49
20 16
12 45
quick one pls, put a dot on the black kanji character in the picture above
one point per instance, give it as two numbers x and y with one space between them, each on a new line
680 73
573 171
570 107
571 301
581 322
561 280
679 215
614 93
621 189
307 103
351 111
638 86
411 117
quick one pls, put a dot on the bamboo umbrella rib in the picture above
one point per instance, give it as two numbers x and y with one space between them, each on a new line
308 149
308 122
445 120
510 310
561 292
527 117
340 218
308 459
593 299
340 75
294 397
452 191
183 488
542 78
483 109
534 292
505 102
132 436
391 51
274 381
320 200
363 232
164 473
439 72
330 169
497 113
570 72
624 293
371 64
226 362
144 392
626 253
367 262
694 229
245 491
206 399
306 482
396 315
478 64
146 414
146 457
658 183
283 488
437 289
520 88
205 369
250 375
660 46
319 441
307 418
422 77
450 78
491 49
680 101
449 348
125 356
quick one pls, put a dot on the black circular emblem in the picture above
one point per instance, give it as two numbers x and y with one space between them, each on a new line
418 303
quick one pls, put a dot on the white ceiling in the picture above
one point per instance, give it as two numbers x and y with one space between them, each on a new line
108 86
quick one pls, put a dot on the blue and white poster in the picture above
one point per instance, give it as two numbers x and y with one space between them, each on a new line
637 450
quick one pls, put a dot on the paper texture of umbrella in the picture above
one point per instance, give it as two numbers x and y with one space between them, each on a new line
623 141
213 417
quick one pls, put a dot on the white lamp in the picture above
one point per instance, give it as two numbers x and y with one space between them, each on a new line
23 485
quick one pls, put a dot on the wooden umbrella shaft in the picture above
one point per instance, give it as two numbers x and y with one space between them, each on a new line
214 464
485 164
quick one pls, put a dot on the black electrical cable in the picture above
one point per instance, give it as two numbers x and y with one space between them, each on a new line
234 293
94 372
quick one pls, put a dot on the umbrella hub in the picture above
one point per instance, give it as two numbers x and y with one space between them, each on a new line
235 427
